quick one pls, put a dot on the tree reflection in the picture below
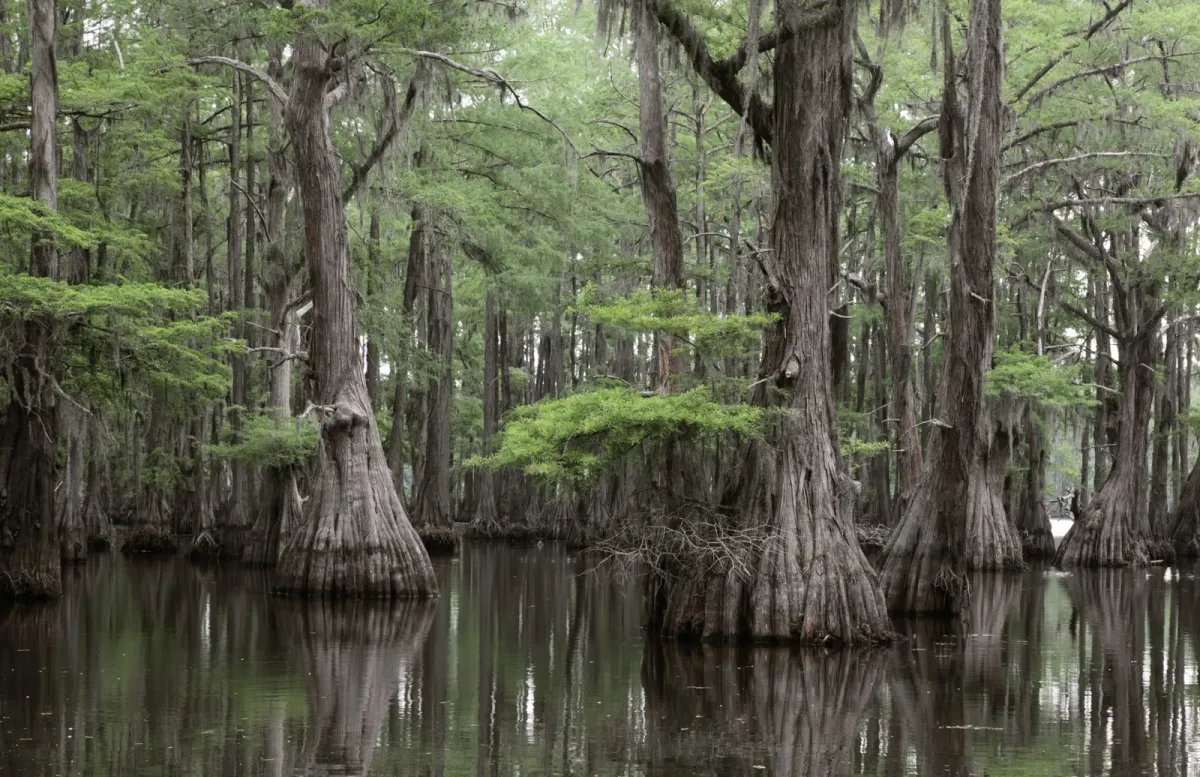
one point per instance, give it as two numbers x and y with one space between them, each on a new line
355 654
1113 605
735 710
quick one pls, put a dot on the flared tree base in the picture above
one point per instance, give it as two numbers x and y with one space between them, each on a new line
797 576
31 571
149 541
355 540
204 547
918 572
1107 533
439 540
73 545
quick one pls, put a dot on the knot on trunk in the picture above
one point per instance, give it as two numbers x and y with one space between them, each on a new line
342 417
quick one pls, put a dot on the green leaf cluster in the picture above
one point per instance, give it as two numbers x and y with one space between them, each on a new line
267 444
1018 374
581 436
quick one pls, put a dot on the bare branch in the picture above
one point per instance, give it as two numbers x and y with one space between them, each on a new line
274 88
399 125
491 76
1094 28
1036 166
1096 71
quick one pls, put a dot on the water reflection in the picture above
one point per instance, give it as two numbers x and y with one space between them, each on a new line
525 667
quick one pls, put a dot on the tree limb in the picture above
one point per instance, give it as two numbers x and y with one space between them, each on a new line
399 125
274 88
491 76
1094 28
1036 166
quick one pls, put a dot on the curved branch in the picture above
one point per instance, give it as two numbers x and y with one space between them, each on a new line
272 86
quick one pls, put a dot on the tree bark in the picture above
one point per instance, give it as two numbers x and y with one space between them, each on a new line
279 507
952 518
433 515
658 188
811 582
413 280
29 552
1037 539
355 539
486 521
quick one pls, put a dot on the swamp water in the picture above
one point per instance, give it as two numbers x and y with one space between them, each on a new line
525 667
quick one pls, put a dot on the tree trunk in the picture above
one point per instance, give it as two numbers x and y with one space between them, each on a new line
952 519
232 520
658 188
29 552
433 515
811 582
1115 530
373 276
1037 539
1164 426
413 280
355 539
279 505
486 521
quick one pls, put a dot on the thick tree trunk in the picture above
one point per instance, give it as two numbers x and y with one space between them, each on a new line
952 518
433 515
810 581
96 520
1115 530
373 276
355 539
30 567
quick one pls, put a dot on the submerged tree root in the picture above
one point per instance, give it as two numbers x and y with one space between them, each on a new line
149 541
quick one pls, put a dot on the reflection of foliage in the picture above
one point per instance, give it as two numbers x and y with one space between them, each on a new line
581 436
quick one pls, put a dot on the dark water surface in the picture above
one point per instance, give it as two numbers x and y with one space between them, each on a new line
526 668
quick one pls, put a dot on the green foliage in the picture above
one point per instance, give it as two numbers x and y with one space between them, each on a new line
1018 374
679 315
266 444
581 436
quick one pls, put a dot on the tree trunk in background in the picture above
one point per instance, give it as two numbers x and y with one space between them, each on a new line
1106 409
232 516
1037 539
811 582
1115 530
30 567
658 188
373 279
1164 426
433 514
900 313
924 563
278 509
355 539
413 280
486 521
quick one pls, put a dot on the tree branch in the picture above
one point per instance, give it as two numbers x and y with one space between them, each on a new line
1095 71
399 125
274 88
1033 168
1095 27
1095 322
492 77
1033 133
923 128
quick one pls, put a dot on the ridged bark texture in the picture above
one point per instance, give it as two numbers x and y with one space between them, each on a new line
1032 522
1114 530
923 565
992 541
356 539
810 582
